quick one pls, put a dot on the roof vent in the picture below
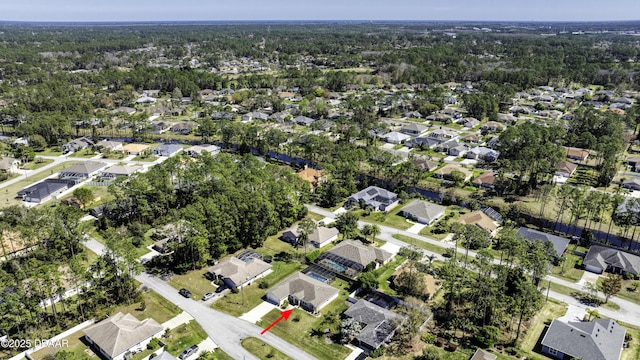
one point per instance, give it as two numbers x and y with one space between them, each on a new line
582 335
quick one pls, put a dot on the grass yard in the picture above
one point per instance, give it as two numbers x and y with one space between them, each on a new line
262 350
156 307
313 216
304 330
384 273
391 219
530 342
75 347
193 281
184 336
52 151
145 158
421 244
568 271
451 214
564 290
217 354
8 195
85 153
628 291
36 164
633 351
233 304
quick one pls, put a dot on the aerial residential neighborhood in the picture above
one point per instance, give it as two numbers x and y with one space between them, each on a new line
319 190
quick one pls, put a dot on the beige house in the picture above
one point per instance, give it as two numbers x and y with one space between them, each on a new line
481 220
236 273
9 165
304 291
120 335
134 149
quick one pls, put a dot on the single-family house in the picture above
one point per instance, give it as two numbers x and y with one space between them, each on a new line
77 144
20 142
117 171
302 290
423 212
634 163
395 137
423 163
167 150
110 145
566 169
119 336
303 120
493 125
443 134
222 115
483 153
375 197
422 142
134 149
184 128
44 190
350 257
632 183
473 138
236 272
601 258
82 170
485 180
412 115
469 122
481 220
9 165
481 354
291 236
600 339
445 172
378 323
124 110
414 129
323 236
255 115
559 243
577 153
145 100
197 150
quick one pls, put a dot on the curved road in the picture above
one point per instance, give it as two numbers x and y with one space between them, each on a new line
225 330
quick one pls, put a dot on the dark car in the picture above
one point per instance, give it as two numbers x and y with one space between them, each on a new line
188 352
222 288
208 296
184 292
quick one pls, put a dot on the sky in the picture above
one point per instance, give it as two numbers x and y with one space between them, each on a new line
216 10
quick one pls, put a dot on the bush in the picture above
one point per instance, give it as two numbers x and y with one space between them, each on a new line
312 256
153 344
377 352
263 284
428 338
285 304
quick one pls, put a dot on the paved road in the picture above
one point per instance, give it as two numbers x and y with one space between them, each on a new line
225 330
629 312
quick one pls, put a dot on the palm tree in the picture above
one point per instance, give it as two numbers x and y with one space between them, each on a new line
375 231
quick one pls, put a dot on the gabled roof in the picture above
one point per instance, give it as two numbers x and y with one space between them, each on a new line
479 219
600 339
449 168
559 243
374 196
424 163
168 148
565 167
118 333
357 252
424 209
379 322
239 271
602 257
310 174
488 178
8 162
305 288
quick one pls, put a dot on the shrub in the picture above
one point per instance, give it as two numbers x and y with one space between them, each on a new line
153 344
428 338
312 256
263 284
285 304
377 352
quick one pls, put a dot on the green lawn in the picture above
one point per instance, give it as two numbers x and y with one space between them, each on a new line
451 214
52 151
233 303
193 281
549 311
85 153
157 307
421 244
627 291
217 354
8 194
36 164
314 216
390 219
298 329
184 336
568 270
384 273
561 289
633 351
262 350
75 346
146 158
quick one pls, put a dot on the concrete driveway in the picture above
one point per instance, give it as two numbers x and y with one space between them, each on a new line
255 314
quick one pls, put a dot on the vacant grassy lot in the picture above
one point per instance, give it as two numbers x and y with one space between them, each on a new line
157 308
184 336
263 350
8 194
233 304
193 281
305 331
568 271
76 347
633 351
391 219
421 244
384 273
36 164
628 291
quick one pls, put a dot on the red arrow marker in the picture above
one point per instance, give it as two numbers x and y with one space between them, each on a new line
283 315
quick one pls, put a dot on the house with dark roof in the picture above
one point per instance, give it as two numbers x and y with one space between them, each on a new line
375 197
120 336
236 272
184 127
601 258
44 190
422 142
423 212
350 257
632 183
423 163
600 339
559 243
378 324
167 150
304 291
77 144
414 129
303 120
82 170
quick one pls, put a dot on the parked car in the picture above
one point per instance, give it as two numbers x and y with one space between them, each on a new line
184 292
208 296
188 352
222 288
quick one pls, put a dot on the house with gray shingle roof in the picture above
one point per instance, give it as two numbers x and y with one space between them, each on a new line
236 272
423 212
395 137
304 291
82 170
559 243
600 339
350 257
601 258
117 171
375 197
414 129
121 335
167 150
378 323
